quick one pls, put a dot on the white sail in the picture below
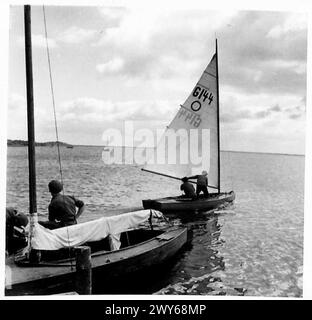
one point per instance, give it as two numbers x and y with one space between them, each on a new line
94 230
195 132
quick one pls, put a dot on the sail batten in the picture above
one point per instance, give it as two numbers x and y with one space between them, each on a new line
210 74
193 134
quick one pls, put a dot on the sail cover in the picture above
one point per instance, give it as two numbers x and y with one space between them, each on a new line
95 230
190 143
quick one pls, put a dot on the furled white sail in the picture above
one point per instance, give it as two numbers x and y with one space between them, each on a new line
190 143
95 230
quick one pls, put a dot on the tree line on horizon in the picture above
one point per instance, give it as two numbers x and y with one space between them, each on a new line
19 143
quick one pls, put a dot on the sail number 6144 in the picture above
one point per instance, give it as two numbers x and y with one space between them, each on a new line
201 93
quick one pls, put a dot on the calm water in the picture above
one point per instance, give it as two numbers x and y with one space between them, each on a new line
253 247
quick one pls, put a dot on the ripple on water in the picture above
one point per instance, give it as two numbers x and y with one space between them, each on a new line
253 247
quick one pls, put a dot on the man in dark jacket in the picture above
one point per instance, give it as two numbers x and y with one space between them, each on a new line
188 188
202 184
62 208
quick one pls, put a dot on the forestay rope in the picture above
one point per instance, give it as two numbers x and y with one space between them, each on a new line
54 112
52 94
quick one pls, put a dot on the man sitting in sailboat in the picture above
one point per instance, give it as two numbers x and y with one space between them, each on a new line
201 184
188 188
62 208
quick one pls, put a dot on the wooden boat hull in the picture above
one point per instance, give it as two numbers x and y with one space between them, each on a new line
171 204
53 278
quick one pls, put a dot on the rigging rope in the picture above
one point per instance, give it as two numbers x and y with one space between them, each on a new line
55 120
53 100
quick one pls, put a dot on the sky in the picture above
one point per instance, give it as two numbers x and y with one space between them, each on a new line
111 64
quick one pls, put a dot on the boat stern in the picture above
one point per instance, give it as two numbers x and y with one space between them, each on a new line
150 204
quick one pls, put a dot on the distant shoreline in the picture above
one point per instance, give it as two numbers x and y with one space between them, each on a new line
258 152
233 151
23 143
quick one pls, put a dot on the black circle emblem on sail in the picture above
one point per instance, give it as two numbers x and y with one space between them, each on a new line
196 105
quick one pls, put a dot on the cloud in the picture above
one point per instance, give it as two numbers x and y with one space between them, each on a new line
241 108
252 63
38 41
236 116
75 35
72 35
84 109
290 24
17 118
296 112
295 116
149 60
275 108
112 14
296 66
161 49
90 110
83 120
262 114
115 65
267 112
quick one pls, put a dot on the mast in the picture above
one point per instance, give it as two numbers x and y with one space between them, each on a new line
218 118
30 113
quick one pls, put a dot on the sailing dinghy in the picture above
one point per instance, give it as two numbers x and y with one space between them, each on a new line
199 114
120 245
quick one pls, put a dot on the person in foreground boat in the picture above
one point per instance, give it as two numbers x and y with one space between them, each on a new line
201 184
62 208
188 189
15 232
